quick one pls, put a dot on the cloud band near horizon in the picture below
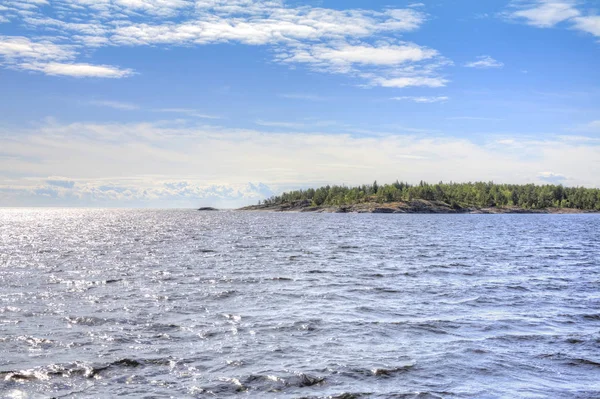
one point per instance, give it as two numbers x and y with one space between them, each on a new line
153 164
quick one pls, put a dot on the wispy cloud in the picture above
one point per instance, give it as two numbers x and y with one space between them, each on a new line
422 100
410 81
303 96
133 107
289 125
545 13
580 139
484 62
593 126
305 125
187 112
472 118
115 104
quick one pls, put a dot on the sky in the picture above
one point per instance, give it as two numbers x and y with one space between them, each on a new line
185 103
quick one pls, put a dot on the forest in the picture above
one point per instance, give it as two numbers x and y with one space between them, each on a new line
477 194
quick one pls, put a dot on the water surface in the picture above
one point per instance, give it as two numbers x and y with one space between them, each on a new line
185 304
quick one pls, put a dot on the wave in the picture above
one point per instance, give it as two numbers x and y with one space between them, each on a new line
260 383
77 369
571 360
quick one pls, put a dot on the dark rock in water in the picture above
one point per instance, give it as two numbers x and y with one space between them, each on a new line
348 395
19 377
305 380
126 363
383 210
207 208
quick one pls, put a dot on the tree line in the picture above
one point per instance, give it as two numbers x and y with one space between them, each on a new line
478 194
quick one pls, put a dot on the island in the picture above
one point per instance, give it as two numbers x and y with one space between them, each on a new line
400 197
207 208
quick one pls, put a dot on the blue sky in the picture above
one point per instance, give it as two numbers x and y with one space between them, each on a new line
211 102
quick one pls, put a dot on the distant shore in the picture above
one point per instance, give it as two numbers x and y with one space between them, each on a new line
415 206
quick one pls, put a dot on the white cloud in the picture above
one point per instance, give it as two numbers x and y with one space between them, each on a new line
422 100
270 25
19 52
590 24
18 48
546 13
381 64
484 62
78 70
361 43
346 54
125 163
109 8
549 13
158 7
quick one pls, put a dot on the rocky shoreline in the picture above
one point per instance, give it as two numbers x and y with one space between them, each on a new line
415 206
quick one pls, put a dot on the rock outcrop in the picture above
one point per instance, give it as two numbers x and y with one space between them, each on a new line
415 206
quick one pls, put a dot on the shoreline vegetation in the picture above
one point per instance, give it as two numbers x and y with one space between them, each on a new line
479 197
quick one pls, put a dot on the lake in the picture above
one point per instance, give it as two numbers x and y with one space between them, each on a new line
187 304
